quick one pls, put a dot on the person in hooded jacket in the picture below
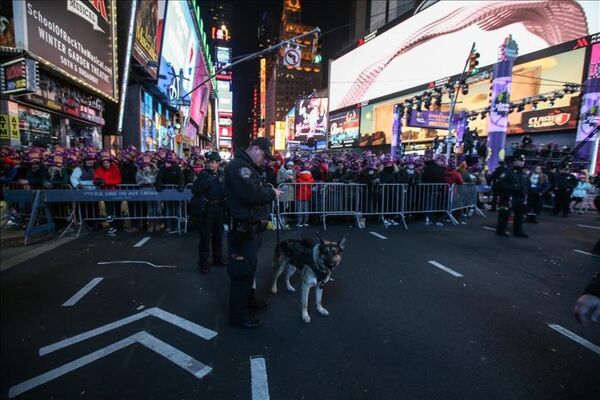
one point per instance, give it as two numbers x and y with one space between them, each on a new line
305 181
433 173
145 177
390 193
107 176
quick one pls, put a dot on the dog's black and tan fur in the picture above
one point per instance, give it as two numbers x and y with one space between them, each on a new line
315 261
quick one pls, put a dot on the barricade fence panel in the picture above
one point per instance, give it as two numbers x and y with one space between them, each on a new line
299 202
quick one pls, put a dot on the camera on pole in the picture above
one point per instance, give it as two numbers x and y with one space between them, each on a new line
473 62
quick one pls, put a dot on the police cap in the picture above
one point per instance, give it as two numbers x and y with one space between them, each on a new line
265 145
212 156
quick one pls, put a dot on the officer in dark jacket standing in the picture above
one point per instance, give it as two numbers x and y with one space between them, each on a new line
512 188
209 186
249 200
563 185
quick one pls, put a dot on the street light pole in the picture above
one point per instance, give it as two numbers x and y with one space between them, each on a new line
253 56
451 138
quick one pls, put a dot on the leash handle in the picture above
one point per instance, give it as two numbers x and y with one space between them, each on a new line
277 215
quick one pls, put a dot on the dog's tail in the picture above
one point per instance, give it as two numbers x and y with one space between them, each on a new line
276 255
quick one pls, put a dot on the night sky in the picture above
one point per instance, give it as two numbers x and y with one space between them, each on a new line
327 15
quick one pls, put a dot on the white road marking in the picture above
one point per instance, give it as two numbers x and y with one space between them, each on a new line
578 339
489 229
141 242
258 378
193 366
73 365
378 235
586 253
136 262
82 292
189 326
588 226
448 270
190 364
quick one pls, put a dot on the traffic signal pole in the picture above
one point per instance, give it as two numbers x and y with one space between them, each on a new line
316 31
451 138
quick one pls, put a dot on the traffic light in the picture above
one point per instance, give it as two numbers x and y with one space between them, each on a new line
473 62
317 59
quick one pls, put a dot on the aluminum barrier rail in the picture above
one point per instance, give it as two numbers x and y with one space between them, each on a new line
131 202
464 197
383 200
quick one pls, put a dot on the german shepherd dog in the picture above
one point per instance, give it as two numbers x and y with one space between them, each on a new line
315 261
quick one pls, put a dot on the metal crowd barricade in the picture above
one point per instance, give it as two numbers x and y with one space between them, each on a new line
428 198
391 201
340 199
142 203
301 200
464 197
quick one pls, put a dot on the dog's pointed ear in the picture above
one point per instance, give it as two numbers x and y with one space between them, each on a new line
342 242
320 240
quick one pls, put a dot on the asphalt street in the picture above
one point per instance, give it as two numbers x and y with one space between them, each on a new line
451 312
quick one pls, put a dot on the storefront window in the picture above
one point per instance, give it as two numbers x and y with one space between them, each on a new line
35 127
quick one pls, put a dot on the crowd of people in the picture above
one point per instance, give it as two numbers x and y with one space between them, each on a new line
91 168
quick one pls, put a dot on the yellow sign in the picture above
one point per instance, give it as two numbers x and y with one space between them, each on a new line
14 127
4 127
280 131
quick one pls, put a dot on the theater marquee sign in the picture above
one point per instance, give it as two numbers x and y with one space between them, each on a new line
74 37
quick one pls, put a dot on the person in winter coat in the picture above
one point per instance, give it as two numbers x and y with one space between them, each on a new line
58 173
494 177
286 174
82 176
452 176
433 173
37 176
370 177
564 183
10 170
537 186
580 192
146 178
107 176
303 194
170 174
389 193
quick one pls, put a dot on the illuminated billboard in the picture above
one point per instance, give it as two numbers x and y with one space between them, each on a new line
344 129
280 127
435 43
530 79
311 119
149 24
77 39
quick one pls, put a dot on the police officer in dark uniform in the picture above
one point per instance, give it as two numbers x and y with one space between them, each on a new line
209 187
512 188
249 200
562 186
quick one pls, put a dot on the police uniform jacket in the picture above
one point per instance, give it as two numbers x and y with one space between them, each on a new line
248 197
512 182
210 185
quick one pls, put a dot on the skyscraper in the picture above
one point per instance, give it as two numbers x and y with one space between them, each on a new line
285 83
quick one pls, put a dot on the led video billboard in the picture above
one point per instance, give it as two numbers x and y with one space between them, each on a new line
344 129
311 119
435 43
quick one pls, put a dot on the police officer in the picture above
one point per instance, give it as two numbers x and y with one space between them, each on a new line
249 200
563 185
512 188
209 187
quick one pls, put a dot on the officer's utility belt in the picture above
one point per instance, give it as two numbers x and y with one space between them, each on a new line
248 226
215 202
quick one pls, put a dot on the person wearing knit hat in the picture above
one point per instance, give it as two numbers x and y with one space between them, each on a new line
9 169
170 174
58 171
107 176
37 176
146 178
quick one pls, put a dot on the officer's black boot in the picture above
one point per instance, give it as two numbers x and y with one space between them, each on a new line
503 215
518 226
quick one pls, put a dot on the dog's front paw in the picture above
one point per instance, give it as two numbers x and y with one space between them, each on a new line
306 318
290 288
322 311
274 290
